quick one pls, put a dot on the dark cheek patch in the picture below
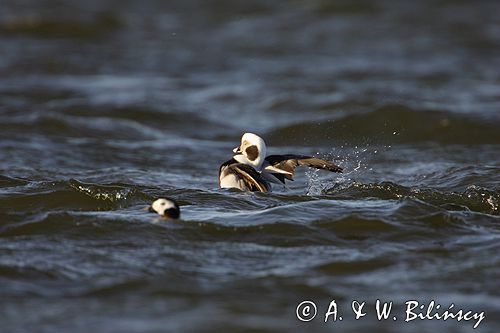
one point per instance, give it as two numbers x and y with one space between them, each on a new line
252 153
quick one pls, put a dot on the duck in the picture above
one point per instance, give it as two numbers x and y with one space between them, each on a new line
251 170
168 208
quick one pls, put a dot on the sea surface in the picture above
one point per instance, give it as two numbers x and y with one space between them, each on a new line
106 105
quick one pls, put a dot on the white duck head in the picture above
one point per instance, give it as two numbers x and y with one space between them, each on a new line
165 207
252 150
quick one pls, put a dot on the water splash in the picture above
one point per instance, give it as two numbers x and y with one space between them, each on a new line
110 193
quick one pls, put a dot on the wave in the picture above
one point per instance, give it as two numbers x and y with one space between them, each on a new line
75 195
68 195
391 124
6 181
46 27
474 198
113 123
346 211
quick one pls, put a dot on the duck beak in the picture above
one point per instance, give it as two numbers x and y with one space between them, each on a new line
149 209
237 150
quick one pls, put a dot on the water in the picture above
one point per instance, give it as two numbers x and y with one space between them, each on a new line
106 105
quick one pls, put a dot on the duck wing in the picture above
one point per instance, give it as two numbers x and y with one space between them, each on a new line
233 174
283 166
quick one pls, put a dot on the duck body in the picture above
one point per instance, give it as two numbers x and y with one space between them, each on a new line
251 170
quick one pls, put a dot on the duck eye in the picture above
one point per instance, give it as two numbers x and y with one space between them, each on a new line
163 204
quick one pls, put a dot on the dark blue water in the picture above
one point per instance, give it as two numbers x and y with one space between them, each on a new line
106 105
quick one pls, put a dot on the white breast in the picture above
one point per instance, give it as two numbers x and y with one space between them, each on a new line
229 180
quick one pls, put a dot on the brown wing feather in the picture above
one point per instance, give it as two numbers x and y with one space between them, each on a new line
252 179
289 162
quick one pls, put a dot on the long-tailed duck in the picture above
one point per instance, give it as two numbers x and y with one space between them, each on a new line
167 208
251 170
